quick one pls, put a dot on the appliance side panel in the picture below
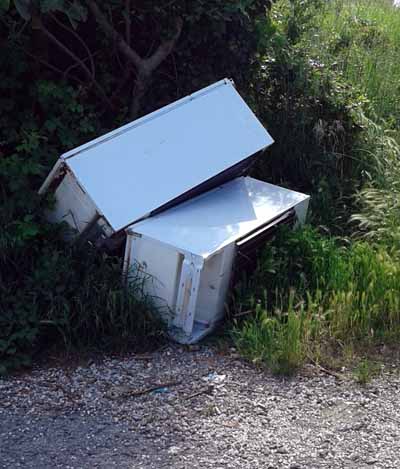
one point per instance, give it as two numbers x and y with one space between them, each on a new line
301 210
72 205
158 267
214 285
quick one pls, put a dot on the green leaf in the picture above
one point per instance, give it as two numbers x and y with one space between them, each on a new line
24 8
52 5
4 5
76 13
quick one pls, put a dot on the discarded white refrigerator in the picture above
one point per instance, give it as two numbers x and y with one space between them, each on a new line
187 253
173 187
155 162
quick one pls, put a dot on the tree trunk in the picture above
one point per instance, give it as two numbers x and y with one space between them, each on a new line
140 87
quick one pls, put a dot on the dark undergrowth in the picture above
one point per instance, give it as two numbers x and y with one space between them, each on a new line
318 73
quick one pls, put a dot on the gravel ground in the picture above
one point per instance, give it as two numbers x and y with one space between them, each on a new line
211 411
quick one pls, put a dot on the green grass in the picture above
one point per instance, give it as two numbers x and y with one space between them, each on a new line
310 293
314 295
361 39
365 371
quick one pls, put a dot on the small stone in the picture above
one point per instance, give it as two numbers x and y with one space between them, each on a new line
174 450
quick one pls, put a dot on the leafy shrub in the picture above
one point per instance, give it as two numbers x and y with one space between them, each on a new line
50 291
72 296
309 291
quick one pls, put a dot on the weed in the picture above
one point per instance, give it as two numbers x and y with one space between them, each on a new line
365 371
275 340
318 292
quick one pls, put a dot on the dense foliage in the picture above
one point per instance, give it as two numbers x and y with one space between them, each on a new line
312 294
64 79
73 69
336 111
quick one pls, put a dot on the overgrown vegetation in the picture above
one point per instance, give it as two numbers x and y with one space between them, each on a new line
323 77
69 71
57 294
330 82
312 294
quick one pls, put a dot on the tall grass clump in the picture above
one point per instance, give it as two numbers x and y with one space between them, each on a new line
377 212
311 292
52 294
361 40
276 340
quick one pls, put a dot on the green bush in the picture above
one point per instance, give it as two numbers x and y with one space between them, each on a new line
50 291
73 297
310 291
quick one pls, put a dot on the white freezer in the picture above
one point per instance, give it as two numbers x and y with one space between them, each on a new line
131 172
187 252
173 182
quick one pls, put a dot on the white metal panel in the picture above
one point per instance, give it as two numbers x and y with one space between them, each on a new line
144 165
207 223
159 266
214 285
72 205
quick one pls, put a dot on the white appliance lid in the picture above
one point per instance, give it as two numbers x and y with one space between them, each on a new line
132 171
207 223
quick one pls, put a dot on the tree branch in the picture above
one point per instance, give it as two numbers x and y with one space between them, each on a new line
144 66
165 48
149 65
64 48
83 43
113 34
75 65
128 23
